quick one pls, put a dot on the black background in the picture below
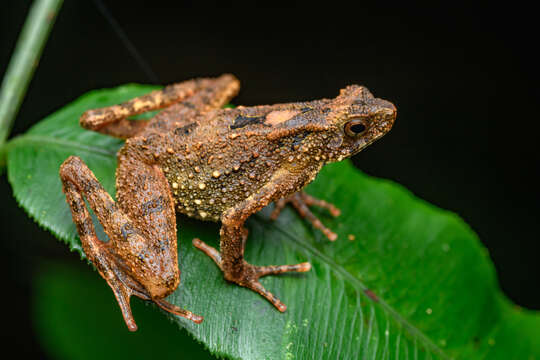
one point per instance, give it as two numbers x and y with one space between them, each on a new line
464 80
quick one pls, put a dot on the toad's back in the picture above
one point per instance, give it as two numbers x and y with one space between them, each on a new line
225 156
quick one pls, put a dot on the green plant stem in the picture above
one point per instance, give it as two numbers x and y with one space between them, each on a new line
24 61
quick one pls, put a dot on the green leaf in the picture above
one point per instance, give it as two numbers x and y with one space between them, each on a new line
75 320
415 283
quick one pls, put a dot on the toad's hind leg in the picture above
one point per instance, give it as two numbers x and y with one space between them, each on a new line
113 120
129 246
230 259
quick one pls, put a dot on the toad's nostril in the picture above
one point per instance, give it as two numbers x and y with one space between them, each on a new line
389 111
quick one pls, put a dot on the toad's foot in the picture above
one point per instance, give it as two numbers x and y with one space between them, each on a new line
248 275
124 286
301 202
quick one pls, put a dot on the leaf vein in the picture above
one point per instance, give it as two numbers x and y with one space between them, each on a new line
45 140
306 247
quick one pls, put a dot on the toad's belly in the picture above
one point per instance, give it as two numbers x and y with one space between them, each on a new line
207 193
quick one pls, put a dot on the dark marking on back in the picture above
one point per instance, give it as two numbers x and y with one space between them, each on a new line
186 129
242 120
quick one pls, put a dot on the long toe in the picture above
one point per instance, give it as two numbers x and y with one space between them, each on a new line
167 306
208 250
257 287
273 270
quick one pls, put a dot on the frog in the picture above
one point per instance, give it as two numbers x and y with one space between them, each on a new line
200 158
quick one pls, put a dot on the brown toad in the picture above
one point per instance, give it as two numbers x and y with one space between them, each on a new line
213 164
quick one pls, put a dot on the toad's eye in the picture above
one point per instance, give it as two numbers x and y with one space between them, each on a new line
355 128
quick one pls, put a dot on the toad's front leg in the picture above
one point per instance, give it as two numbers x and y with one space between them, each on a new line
301 202
231 260
236 269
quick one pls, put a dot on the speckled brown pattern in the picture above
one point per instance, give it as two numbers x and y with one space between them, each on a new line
213 164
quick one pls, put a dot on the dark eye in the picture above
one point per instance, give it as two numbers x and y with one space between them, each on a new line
355 128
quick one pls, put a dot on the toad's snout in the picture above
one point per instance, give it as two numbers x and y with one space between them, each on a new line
385 116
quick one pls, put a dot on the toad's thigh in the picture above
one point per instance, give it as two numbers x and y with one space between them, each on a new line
144 194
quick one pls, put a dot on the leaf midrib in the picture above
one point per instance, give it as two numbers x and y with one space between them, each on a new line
357 284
